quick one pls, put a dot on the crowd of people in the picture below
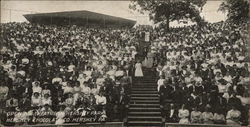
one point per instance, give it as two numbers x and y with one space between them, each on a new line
204 73
62 73
63 70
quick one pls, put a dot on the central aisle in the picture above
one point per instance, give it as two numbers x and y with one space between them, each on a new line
144 107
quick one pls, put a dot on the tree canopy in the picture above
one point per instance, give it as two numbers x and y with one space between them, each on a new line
165 11
237 10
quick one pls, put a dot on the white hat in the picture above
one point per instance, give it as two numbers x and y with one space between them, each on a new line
25 60
50 63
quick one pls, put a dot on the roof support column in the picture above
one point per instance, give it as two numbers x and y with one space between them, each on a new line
69 21
50 20
104 22
87 21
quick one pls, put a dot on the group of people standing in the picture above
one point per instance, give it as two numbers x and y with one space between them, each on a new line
148 62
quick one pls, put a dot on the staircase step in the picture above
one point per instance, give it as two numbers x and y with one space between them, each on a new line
144 92
144 89
148 81
144 101
144 118
144 98
146 85
145 123
144 113
145 82
139 87
149 77
145 105
144 109
144 95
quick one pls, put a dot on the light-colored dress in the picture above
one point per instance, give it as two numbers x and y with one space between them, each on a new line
77 91
183 115
86 90
138 70
233 117
195 116
219 118
60 117
68 89
3 92
35 101
45 101
160 82
207 117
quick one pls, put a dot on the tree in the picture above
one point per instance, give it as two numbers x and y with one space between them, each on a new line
165 11
237 10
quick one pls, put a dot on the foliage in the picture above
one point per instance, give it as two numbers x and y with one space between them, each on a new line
237 10
170 10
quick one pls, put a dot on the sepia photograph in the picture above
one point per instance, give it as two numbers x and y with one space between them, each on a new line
124 63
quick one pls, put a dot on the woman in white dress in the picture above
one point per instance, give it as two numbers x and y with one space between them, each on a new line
4 90
138 69
183 115
195 116
35 100
207 116
60 116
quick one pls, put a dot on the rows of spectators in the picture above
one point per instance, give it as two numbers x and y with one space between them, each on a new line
206 69
74 72
63 70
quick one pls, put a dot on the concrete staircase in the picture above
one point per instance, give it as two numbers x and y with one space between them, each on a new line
144 107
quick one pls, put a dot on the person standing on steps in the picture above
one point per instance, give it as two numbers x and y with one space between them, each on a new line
149 60
138 70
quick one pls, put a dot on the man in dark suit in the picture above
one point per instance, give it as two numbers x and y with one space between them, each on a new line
234 101
240 89
122 104
166 91
178 95
219 102
222 67
25 103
